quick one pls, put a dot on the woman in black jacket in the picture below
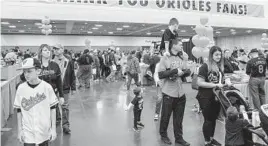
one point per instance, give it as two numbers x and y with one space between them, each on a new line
50 72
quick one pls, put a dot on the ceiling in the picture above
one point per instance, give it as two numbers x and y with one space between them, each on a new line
91 28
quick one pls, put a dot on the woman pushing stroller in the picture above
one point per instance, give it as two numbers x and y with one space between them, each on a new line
210 76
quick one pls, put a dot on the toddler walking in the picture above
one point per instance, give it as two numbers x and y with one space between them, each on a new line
137 104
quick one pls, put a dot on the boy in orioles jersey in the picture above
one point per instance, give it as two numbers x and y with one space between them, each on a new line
35 102
256 69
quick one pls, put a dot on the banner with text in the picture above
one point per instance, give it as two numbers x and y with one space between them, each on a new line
200 6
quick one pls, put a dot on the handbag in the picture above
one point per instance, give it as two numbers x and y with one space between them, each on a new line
148 74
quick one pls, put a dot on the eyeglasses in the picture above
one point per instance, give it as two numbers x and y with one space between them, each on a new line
54 48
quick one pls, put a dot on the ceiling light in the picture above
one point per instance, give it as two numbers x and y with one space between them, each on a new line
95 28
126 26
25 25
21 30
98 25
183 30
232 30
218 32
185 40
233 33
119 28
19 21
12 26
5 23
90 32
148 33
111 32
249 31
162 30
38 23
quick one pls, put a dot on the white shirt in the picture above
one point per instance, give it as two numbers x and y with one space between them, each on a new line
35 106
11 55
63 63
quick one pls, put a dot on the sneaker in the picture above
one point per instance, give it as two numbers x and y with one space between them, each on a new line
140 124
156 117
215 142
136 129
166 140
182 142
66 130
209 144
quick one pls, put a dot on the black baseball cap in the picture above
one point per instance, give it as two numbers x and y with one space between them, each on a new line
136 90
254 51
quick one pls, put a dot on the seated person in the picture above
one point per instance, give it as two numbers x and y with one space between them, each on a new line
234 128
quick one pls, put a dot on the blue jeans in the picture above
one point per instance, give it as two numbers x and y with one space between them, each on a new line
257 91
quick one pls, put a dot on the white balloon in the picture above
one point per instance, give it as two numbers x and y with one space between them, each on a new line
205 53
209 30
87 42
263 40
195 40
49 31
43 31
46 21
266 40
264 45
200 30
264 35
204 20
43 26
204 41
196 51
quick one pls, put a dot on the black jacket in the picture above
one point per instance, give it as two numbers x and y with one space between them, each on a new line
69 79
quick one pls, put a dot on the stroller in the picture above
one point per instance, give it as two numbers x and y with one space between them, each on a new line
230 96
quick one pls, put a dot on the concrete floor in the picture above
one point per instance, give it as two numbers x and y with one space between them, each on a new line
98 118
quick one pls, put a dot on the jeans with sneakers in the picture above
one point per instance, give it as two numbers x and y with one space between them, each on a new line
177 106
257 91
137 117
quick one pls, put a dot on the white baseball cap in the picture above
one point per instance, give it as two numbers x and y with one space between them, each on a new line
30 63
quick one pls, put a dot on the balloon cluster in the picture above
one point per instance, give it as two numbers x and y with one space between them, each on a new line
264 41
88 44
46 26
203 39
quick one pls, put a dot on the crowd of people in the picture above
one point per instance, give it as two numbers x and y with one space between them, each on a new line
50 76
